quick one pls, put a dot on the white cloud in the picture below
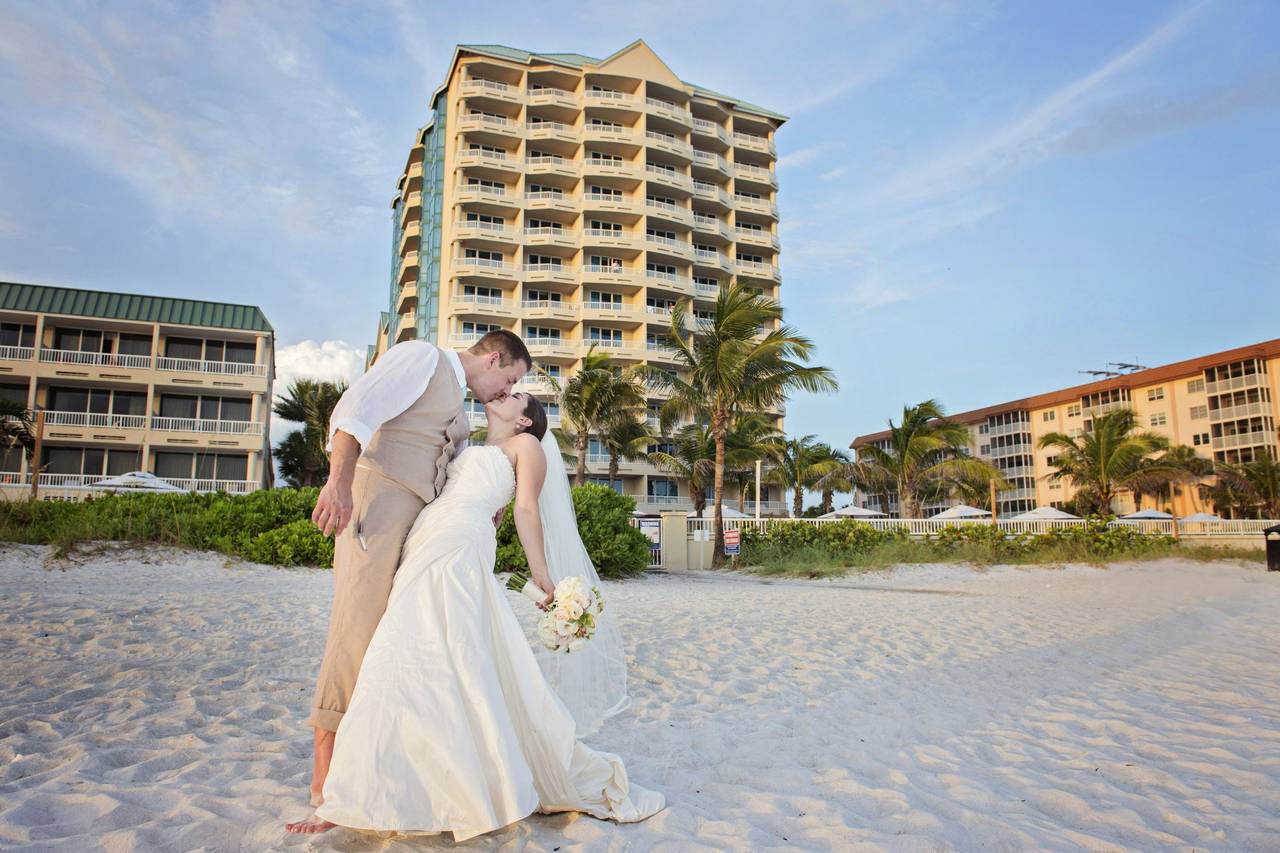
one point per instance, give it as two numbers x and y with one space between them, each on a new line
807 154
321 360
833 173
872 292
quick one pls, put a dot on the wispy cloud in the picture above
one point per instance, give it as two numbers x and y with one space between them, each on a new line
808 154
1031 136
226 116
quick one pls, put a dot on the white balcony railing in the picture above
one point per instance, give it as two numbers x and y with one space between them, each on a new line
707 158
479 83
707 289
483 189
545 160
544 304
610 95
707 255
224 368
16 353
550 92
603 343
496 228
1245 439
549 231
67 356
100 420
549 268
604 269
1244 410
206 425
616 307
487 263
664 205
70 481
757 172
233 487
551 126
611 129
1235 383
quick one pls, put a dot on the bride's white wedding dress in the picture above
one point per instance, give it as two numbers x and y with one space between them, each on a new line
452 726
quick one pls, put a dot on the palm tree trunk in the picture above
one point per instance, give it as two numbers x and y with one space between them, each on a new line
828 498
797 502
613 467
580 445
742 495
717 554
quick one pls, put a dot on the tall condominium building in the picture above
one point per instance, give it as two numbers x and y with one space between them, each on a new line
573 201
1224 406
177 387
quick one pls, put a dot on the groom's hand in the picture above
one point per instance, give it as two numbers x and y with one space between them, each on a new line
333 508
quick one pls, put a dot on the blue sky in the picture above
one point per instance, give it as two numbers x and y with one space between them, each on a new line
978 199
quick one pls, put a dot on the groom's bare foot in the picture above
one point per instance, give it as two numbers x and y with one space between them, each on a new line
313 824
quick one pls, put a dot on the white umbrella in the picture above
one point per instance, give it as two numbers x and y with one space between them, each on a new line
138 481
963 511
1146 515
1044 513
1200 516
852 511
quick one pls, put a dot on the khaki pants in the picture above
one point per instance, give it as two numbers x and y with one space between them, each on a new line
363 572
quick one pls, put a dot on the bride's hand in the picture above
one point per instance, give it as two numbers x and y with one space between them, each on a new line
544 583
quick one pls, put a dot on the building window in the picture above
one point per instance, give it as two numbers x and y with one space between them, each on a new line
1154 394
17 335
1199 413
984 450
1073 411
1195 386
1200 439
1159 419
1049 415
661 487
616 485
541 334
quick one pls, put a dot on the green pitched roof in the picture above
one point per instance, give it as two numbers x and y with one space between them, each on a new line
577 61
127 306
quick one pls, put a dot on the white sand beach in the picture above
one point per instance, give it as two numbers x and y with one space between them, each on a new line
154 700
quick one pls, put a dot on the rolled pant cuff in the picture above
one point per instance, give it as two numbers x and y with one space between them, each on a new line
323 718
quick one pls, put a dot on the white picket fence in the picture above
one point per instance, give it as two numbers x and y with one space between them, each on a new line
923 527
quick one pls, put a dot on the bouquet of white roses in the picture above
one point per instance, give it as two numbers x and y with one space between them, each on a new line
570 621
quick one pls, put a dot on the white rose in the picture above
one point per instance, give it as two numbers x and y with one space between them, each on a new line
572 609
565 629
577 644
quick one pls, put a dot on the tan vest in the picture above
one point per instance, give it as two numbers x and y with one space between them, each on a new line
414 448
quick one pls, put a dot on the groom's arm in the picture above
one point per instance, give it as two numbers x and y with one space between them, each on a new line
384 391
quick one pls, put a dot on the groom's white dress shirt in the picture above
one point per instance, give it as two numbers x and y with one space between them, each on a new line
389 388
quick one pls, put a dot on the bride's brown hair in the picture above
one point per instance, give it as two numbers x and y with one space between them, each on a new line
537 415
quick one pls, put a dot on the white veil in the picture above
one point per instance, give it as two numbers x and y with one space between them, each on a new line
592 682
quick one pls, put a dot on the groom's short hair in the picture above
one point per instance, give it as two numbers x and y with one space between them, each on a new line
508 345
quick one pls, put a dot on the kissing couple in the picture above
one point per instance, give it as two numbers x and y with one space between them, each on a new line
432 713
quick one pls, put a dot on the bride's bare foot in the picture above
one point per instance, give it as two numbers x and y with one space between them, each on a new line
313 824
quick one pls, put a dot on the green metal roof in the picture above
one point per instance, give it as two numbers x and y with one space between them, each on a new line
577 61
127 306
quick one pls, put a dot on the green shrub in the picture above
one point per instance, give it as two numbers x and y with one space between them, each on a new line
845 539
298 543
604 522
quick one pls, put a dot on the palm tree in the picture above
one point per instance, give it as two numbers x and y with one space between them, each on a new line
626 437
835 478
692 459
592 399
1256 485
1112 456
752 438
804 463
741 361
926 456
16 428
1178 465
301 454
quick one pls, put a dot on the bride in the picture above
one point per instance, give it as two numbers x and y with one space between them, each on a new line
453 727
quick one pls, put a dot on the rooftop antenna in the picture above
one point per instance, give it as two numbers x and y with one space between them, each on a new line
1099 372
1127 368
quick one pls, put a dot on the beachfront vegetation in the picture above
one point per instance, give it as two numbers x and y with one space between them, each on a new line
834 549
594 401
273 526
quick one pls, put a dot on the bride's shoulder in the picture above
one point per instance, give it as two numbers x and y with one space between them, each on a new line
524 443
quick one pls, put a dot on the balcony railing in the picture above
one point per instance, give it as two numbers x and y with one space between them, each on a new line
206 425
556 233
668 106
551 126
606 233
224 368
16 353
551 268
765 507
232 487
670 176
1244 439
483 189
487 263
707 255
604 269
707 289
751 140
666 206
544 195
551 92
70 481
1100 410
1235 383
545 303
478 299
495 228
610 95
611 129
757 172
67 356
485 85
670 140
616 307
707 158
664 500
549 160
603 343
1244 410
101 420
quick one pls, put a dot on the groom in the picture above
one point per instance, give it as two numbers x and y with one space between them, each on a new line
390 438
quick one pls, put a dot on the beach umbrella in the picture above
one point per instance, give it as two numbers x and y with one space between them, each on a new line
1146 515
1045 513
137 481
962 511
1200 516
852 511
